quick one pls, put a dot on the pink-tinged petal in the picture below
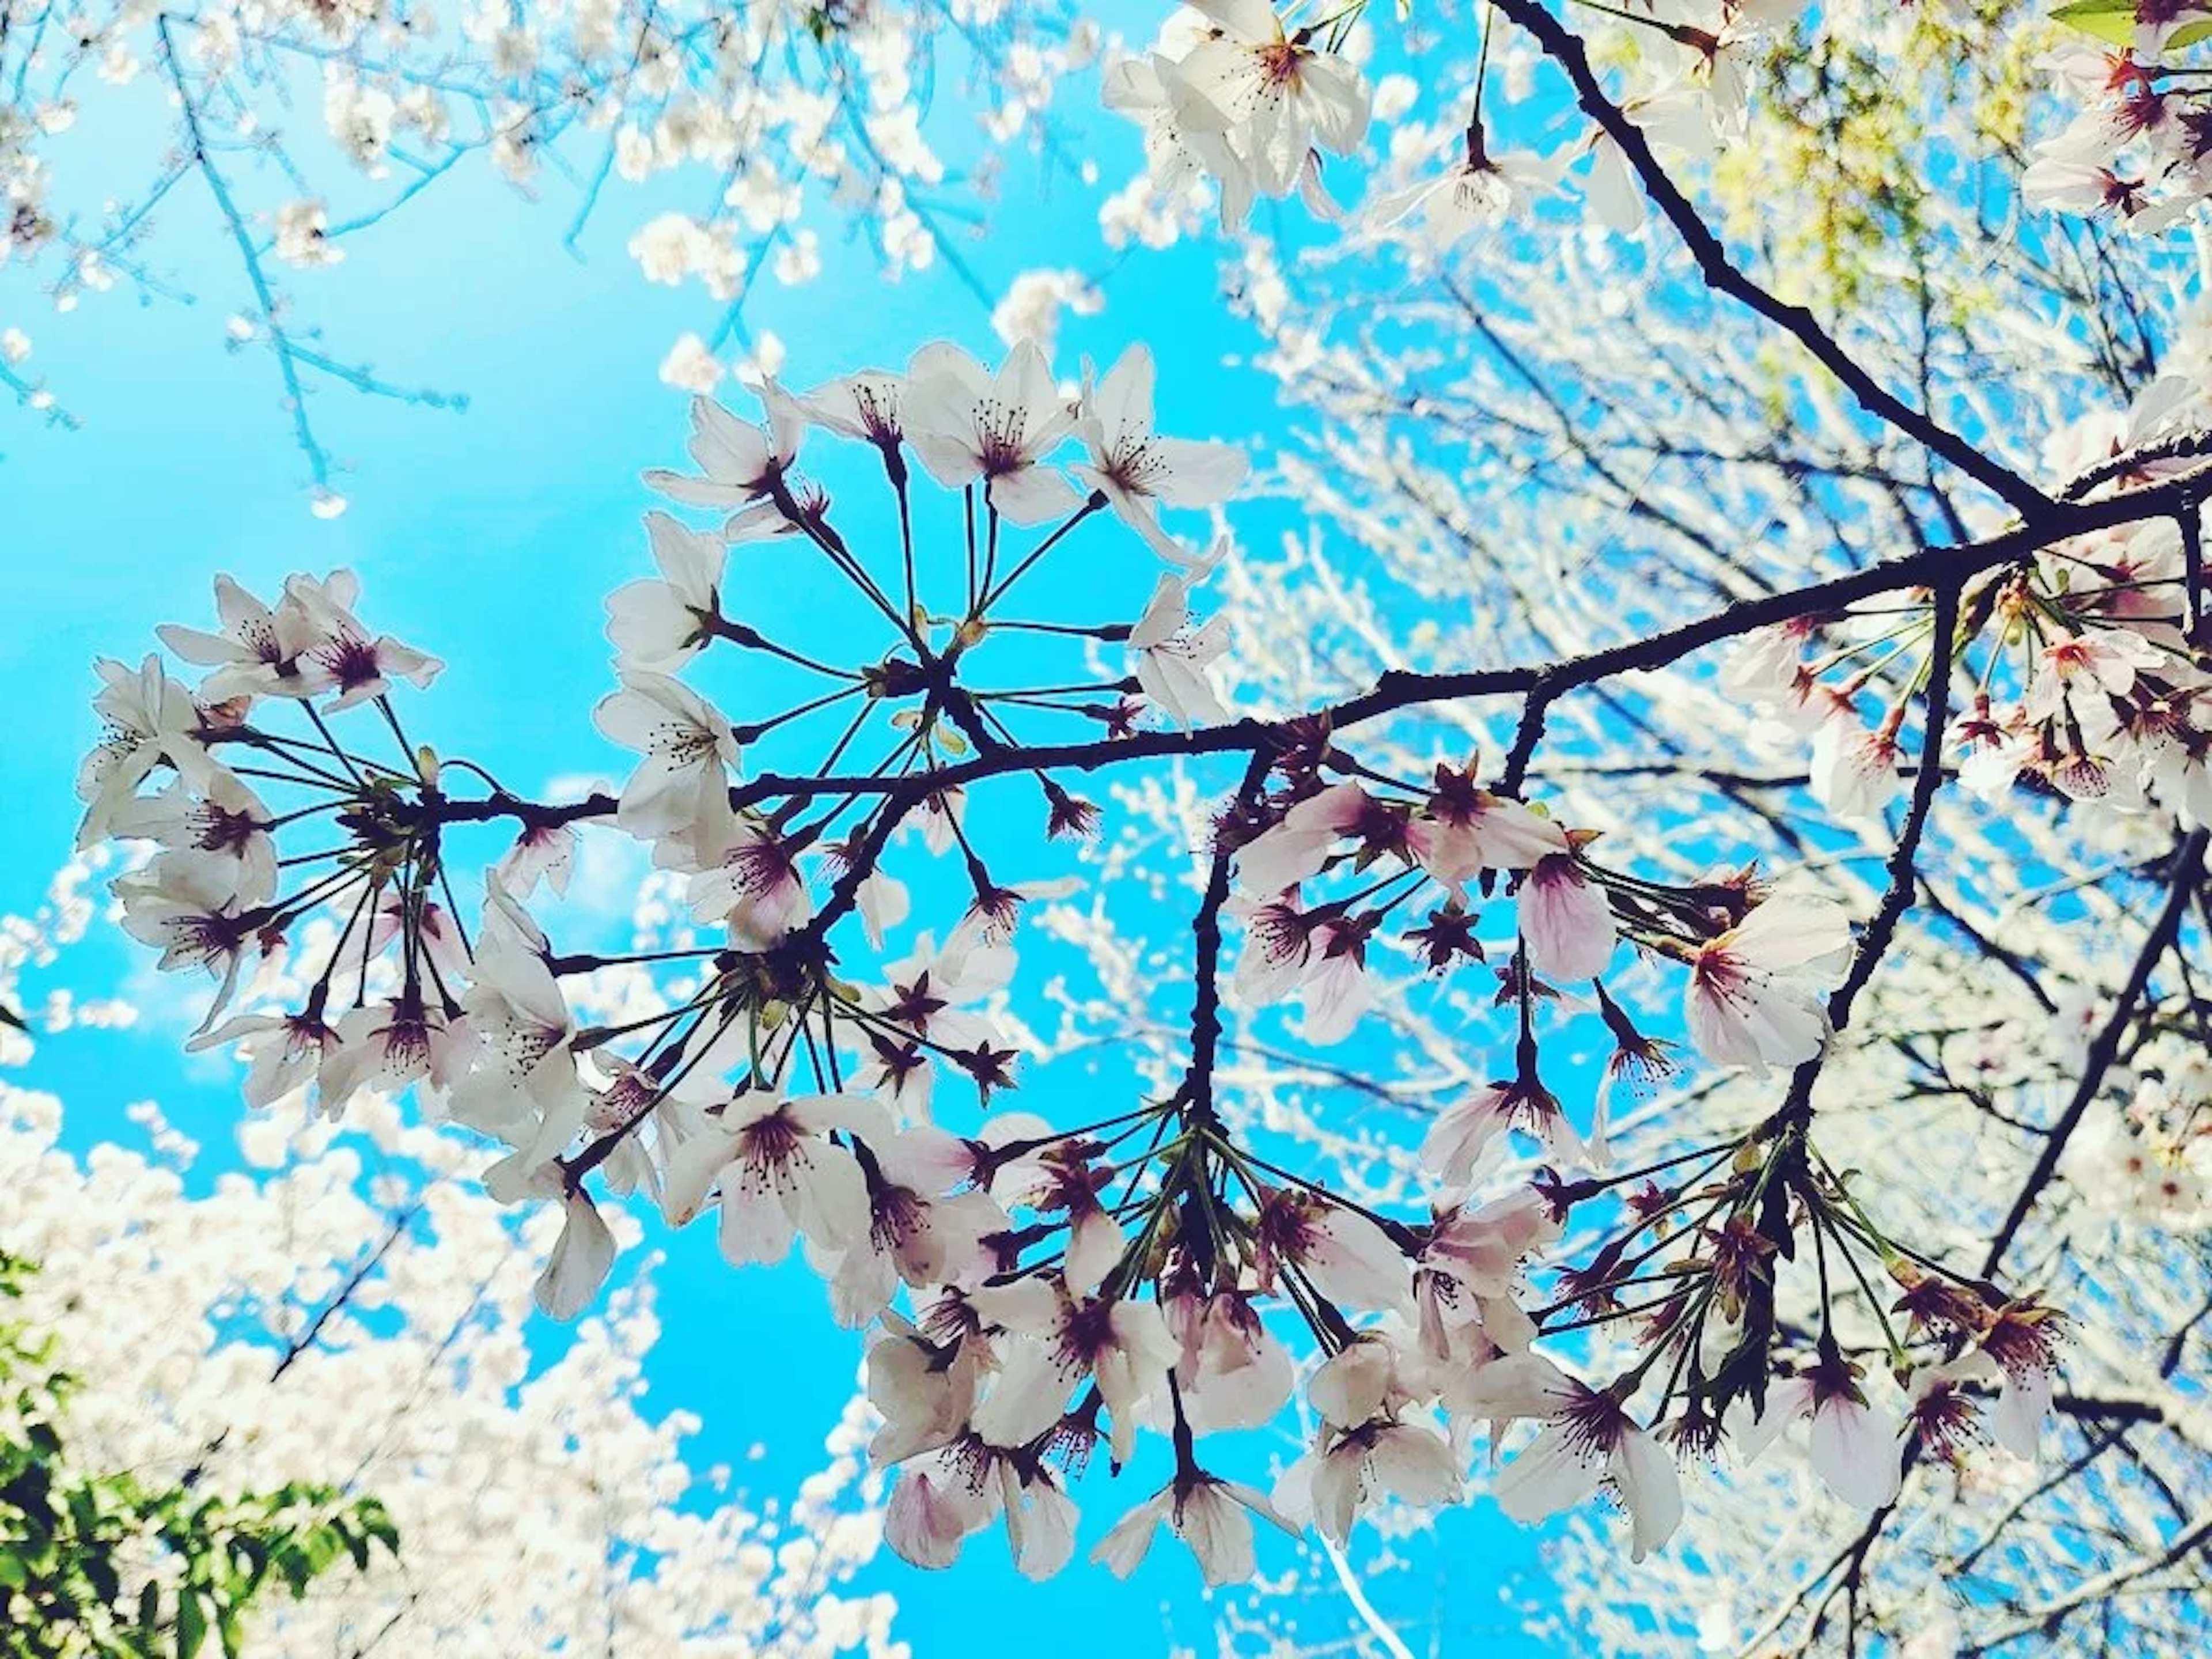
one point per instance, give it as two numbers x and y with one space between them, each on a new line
861 1285
1125 1545
1332 1484
1455 1148
1336 995
727 449
1040 1525
923 1523
1786 1401
1566 920
1287 853
1163 617
1032 496
1027 1306
1199 474
1028 1397
829 1196
197 646
1790 929
1122 402
1349 1387
1219 1530
754 1228
687 491
786 420
861 1115
1415 1465
692 1169
1717 1028
950 460
1094 1245
1244 1396
1260 1505
1518 1385
2016 1422
925 1158
1352 1263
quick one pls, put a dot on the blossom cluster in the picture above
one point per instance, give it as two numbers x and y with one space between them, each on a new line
1034 1289
1245 100
2086 664
2141 133
328 1302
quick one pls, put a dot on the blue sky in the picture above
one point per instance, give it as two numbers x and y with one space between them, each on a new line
490 537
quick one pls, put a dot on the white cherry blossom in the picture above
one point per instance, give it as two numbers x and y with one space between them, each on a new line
774 1176
1172 657
686 751
1138 470
970 426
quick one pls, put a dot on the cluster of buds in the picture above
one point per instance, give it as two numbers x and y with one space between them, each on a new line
1031 1290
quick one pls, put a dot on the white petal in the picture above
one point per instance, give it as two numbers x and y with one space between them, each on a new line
1652 1489
1857 1451
1556 1472
580 1263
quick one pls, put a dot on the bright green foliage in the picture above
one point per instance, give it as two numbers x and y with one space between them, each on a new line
102 1565
2114 20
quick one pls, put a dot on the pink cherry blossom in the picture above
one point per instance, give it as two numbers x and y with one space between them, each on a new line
777 1175
1566 921
1212 1515
1858 1448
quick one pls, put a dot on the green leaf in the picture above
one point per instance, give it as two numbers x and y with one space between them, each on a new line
297 1573
2112 21
2189 34
191 1624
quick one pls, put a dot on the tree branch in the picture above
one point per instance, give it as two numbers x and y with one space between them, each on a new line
1565 48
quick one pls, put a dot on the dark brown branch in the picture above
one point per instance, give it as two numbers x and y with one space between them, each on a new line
2189 446
1904 873
2104 1047
1565 48
1206 966
1398 690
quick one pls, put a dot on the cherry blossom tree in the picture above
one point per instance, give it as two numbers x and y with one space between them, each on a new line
2020 1080
1660 928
